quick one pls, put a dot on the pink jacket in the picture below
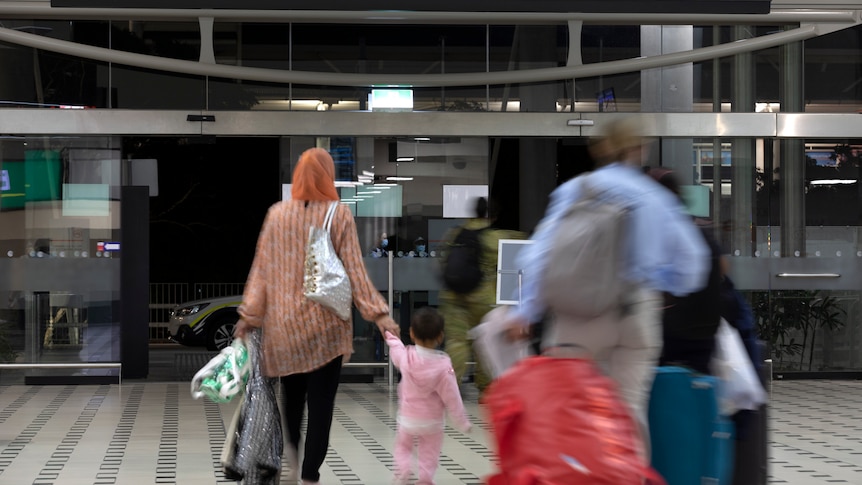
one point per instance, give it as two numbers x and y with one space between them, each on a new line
428 388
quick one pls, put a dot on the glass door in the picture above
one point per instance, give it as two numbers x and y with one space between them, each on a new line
788 213
405 193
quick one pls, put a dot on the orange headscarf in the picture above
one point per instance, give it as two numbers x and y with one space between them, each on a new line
314 176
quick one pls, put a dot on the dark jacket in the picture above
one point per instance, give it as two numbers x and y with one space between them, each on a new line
690 322
696 316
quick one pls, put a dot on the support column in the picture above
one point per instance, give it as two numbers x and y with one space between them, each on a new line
669 90
537 179
792 155
537 156
743 235
134 282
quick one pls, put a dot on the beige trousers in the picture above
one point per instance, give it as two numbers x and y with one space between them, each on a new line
627 347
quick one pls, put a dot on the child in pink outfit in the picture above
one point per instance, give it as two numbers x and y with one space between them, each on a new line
426 392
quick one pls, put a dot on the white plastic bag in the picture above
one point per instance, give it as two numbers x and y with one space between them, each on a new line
225 375
740 388
496 351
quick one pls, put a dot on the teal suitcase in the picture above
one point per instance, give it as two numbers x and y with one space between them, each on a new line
691 443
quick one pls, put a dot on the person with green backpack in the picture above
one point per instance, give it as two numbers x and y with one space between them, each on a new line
469 270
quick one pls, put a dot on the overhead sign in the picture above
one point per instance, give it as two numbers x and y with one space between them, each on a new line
585 6
391 100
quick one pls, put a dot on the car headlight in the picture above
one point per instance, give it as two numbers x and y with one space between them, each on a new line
188 310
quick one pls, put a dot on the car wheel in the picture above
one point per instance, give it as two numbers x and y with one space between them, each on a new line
220 333
183 335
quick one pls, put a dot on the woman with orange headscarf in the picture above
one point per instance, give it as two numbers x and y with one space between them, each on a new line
303 343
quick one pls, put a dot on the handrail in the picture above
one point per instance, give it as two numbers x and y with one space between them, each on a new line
69 365
808 275
63 365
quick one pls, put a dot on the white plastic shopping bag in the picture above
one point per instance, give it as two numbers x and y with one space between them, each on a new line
497 353
740 388
225 375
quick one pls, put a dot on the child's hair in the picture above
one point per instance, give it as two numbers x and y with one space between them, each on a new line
427 324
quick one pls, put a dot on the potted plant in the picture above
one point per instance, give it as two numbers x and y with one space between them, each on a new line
7 351
789 321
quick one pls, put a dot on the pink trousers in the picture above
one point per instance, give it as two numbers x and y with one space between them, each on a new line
428 446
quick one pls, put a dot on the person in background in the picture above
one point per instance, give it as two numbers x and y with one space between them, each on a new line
302 342
382 248
689 322
419 248
664 252
427 391
463 311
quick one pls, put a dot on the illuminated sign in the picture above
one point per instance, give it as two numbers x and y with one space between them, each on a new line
391 100
107 246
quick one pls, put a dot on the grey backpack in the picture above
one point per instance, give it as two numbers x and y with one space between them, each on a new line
583 279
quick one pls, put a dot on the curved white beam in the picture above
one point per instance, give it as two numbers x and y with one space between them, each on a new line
414 80
43 10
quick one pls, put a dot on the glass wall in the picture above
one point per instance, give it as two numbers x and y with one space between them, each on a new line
59 251
786 210
790 223
406 193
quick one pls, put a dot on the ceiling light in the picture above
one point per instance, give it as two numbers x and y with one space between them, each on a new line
833 182
399 178
404 159
422 138
369 192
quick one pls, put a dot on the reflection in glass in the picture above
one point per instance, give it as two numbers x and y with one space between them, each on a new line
56 302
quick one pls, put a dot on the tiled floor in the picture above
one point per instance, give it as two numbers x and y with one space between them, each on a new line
816 432
154 432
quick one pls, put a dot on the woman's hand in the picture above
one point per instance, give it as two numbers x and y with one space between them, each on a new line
241 329
386 323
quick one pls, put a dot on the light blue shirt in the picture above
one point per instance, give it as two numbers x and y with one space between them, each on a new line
664 251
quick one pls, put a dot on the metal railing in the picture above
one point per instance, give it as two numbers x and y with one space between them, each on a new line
165 296
214 290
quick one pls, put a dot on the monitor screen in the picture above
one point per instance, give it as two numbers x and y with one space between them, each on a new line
36 178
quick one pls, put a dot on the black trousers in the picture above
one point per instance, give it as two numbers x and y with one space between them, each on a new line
318 388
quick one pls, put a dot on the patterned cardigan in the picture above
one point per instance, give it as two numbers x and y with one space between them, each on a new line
299 335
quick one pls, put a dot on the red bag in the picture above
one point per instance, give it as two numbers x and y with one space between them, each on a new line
559 421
